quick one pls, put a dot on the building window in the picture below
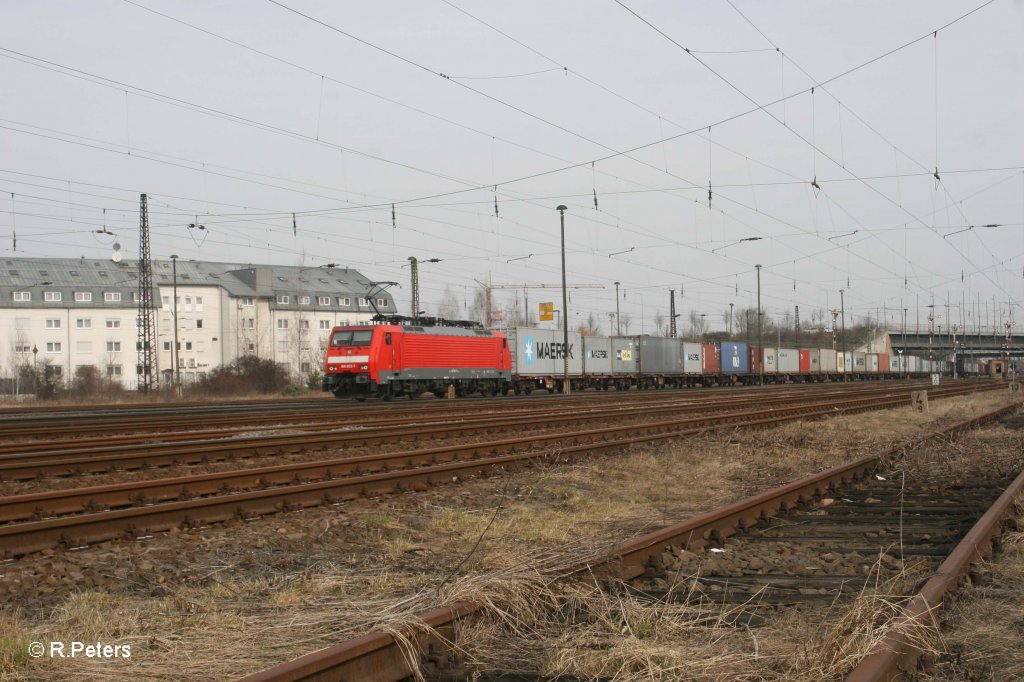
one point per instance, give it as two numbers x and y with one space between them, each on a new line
282 346
282 324
113 370
53 324
22 348
83 323
22 295
188 345
382 303
167 345
113 346
23 323
83 296
112 296
54 370
113 324
249 323
199 324
303 300
166 300
247 301
53 346
283 299
363 302
325 324
83 347
135 297
252 347
323 300
305 368
344 301
303 324
199 304
52 296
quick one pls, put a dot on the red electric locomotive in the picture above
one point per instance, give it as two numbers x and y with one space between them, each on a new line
390 360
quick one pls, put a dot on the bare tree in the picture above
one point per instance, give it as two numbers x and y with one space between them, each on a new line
659 322
448 309
591 328
624 321
698 324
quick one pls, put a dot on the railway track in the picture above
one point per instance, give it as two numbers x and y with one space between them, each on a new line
28 423
83 518
968 521
71 458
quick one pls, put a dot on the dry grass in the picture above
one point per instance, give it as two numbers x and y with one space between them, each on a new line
497 540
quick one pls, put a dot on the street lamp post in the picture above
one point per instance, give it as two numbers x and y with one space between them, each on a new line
177 367
760 345
566 389
842 308
618 323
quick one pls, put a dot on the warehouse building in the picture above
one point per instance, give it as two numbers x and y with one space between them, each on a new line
61 314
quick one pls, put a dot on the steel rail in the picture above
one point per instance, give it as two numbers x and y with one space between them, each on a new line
898 655
137 493
273 422
389 663
20 466
172 418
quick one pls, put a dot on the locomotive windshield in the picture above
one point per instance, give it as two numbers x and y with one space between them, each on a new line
352 337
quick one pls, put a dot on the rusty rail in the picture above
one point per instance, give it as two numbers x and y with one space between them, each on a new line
897 655
348 660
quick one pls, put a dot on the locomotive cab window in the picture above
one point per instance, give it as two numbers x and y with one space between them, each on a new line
348 337
387 339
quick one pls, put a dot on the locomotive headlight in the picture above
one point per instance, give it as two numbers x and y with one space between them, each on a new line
364 367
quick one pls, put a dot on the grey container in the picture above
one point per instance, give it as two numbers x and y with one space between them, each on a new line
872 362
625 355
848 361
692 362
770 360
860 362
659 355
788 360
815 360
597 355
538 352
827 361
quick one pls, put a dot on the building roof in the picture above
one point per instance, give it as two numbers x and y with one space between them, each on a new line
238 279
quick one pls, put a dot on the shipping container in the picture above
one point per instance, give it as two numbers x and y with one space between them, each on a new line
692 363
873 362
662 356
597 355
860 362
848 362
815 360
625 355
841 362
770 359
883 363
709 356
805 361
734 358
788 360
754 357
538 352
827 361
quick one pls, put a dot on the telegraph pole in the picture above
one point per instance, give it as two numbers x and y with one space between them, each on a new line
672 313
842 309
618 322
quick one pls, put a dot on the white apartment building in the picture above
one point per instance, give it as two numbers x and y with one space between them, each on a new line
66 313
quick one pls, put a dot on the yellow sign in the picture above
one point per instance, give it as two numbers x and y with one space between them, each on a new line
547 312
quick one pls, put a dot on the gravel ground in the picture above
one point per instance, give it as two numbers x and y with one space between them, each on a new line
213 603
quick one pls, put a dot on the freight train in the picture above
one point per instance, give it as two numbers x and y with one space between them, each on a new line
387 361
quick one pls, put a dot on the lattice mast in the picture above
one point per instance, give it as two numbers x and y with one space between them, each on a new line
146 344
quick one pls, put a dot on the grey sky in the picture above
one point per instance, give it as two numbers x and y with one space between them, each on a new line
321 139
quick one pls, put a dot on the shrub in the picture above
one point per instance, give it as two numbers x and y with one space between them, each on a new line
247 374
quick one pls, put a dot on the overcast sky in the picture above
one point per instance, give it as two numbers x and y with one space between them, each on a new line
242 113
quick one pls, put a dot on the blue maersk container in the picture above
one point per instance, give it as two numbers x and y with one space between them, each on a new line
734 358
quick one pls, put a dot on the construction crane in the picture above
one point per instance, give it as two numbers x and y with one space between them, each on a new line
488 288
